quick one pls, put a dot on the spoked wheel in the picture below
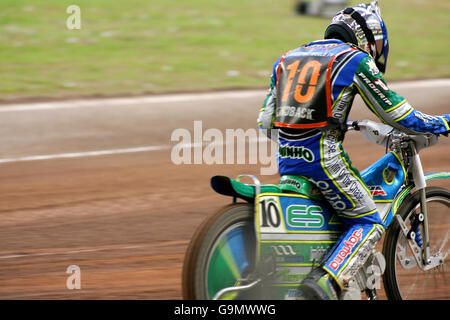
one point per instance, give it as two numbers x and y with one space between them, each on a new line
403 279
221 252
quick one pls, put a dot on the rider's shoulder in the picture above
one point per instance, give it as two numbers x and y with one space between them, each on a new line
326 44
368 68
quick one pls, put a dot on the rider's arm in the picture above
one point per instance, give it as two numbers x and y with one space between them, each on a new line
267 112
392 108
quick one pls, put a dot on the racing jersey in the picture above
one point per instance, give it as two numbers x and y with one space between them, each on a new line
355 72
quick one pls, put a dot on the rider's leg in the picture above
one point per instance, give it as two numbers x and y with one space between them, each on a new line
345 190
341 184
342 262
352 251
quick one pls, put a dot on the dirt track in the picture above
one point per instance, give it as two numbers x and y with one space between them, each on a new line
126 219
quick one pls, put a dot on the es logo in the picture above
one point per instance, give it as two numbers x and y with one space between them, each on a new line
298 215
305 216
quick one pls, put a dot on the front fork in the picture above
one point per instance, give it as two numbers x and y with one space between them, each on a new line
422 254
420 182
426 234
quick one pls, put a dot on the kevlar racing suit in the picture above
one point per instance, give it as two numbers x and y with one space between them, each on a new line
312 147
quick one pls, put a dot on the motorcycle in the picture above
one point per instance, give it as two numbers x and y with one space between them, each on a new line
263 246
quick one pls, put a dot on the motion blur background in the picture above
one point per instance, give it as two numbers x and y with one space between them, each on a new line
153 46
91 183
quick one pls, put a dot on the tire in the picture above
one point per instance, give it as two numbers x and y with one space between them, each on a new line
403 279
221 251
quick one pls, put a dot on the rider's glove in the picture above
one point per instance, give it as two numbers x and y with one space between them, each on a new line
447 118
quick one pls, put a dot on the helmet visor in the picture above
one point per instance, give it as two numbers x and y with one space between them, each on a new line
382 48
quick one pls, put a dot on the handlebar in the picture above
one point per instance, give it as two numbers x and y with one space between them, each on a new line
353 125
382 134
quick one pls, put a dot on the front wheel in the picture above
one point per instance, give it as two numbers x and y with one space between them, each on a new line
221 252
403 279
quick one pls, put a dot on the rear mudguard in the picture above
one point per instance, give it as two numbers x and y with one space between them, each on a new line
236 189
233 188
406 190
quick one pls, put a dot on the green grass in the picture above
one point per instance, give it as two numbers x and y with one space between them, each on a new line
143 46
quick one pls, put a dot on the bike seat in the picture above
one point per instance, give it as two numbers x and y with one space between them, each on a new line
230 187
288 184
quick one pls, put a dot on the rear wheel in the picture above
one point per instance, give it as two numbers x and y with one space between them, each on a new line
403 279
221 252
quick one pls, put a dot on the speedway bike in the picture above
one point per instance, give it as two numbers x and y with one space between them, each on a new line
269 238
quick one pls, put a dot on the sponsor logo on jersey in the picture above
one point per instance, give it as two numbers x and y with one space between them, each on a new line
375 89
427 118
346 249
298 112
296 153
335 199
372 67
381 84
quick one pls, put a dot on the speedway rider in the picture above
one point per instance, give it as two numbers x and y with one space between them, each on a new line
311 92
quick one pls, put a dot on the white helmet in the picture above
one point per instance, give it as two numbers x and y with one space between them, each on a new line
363 26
